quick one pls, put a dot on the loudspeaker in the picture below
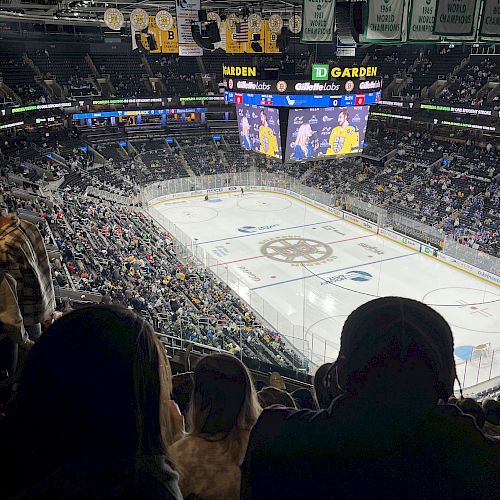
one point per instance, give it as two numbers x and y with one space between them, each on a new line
200 40
256 47
202 16
212 31
349 21
283 39
255 37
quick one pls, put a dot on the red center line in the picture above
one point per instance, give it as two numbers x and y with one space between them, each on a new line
260 256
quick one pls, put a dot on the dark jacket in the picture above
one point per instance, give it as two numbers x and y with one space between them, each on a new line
348 451
108 478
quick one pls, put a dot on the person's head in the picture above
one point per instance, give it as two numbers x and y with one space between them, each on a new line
182 387
399 350
269 396
471 407
263 117
304 399
325 385
245 125
343 118
97 381
491 409
223 398
303 135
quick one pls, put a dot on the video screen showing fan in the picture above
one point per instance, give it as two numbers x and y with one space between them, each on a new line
259 129
322 132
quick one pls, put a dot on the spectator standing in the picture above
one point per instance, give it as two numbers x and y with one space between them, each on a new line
92 417
385 436
223 409
24 257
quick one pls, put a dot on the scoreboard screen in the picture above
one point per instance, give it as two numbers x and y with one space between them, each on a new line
259 129
323 132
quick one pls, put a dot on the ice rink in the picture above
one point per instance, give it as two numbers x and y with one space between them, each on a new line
305 270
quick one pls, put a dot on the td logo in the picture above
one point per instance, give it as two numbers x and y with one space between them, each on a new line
320 72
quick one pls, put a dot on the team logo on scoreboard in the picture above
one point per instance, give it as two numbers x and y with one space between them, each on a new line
297 250
230 83
349 85
281 86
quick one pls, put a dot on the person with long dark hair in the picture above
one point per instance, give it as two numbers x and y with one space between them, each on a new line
93 416
222 412
385 435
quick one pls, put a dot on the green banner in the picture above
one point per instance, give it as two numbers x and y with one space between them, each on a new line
455 17
490 22
421 20
318 21
384 20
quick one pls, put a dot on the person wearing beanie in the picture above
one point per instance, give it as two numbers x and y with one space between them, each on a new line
385 435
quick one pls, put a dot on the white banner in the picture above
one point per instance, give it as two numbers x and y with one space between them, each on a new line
421 20
187 14
490 22
455 17
385 20
318 21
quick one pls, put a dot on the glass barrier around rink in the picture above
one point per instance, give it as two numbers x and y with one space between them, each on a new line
470 372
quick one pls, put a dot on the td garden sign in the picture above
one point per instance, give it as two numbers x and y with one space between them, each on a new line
323 72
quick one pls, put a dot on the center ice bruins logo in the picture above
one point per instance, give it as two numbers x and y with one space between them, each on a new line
296 250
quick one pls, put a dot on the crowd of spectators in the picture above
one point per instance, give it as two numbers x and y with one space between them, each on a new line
382 420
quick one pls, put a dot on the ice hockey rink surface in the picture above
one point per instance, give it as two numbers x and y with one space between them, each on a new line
281 254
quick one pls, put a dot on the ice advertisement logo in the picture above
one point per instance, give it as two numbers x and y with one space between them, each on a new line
358 276
253 229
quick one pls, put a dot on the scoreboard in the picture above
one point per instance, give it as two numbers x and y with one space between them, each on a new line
303 101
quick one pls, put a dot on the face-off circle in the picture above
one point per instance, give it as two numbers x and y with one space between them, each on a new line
296 250
191 214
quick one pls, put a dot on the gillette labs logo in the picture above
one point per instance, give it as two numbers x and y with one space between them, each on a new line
351 275
253 229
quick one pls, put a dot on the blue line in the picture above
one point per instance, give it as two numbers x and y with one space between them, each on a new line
272 231
334 271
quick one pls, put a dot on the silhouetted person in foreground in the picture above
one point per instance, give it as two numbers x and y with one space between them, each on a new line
385 436
93 416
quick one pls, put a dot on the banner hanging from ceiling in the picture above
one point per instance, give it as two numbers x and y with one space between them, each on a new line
187 14
421 20
318 21
166 39
455 17
384 21
490 22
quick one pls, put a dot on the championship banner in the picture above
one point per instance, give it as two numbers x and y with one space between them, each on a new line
187 14
318 21
455 17
490 22
166 40
270 38
384 20
233 45
421 20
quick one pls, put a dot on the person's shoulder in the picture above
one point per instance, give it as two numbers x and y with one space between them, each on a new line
280 420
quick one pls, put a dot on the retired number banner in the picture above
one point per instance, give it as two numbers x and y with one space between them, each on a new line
455 17
490 22
318 21
421 20
385 20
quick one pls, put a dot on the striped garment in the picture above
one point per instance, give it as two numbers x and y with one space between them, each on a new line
241 34
24 257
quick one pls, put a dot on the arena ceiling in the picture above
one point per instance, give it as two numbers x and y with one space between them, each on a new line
91 11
